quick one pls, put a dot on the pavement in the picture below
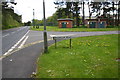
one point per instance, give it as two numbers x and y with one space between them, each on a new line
21 63
11 36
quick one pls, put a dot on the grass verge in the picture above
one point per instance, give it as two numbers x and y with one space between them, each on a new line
53 28
90 57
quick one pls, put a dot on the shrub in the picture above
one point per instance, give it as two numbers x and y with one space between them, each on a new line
110 26
79 26
83 26
75 26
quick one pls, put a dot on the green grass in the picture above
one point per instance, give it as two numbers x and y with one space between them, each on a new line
52 28
89 57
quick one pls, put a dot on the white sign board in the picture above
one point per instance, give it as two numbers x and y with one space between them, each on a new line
55 37
60 36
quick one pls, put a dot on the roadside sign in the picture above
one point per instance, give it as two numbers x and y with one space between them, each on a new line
60 37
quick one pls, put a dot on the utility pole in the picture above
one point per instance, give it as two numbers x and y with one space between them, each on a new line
45 33
33 18
83 18
118 13
113 5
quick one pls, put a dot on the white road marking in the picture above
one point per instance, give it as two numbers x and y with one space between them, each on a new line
24 47
6 35
11 60
16 44
23 42
13 47
6 53
10 50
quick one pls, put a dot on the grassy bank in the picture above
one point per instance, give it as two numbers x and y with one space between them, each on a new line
10 19
90 57
52 28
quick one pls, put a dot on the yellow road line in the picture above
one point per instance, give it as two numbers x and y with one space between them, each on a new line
25 46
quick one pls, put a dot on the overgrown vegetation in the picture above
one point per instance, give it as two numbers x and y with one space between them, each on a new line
50 21
9 18
89 57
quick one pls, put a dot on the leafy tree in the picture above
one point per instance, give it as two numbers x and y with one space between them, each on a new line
69 9
106 11
9 18
96 8
89 10
72 10
76 12
27 23
52 20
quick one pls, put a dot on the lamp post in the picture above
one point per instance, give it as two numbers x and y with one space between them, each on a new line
118 13
83 18
45 33
33 18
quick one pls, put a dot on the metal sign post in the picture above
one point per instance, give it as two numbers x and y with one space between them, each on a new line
70 42
61 37
45 33
55 43
33 19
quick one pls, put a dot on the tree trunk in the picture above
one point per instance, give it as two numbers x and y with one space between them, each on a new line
83 19
118 13
77 20
113 14
89 11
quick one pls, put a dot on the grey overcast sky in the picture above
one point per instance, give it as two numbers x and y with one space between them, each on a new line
25 8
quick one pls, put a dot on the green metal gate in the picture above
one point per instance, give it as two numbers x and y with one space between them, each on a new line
101 25
92 24
64 24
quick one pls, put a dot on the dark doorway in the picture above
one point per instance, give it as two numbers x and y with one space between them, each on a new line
92 24
101 25
64 24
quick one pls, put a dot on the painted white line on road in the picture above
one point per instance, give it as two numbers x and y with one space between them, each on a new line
13 47
1 57
6 35
16 44
10 50
23 42
27 32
